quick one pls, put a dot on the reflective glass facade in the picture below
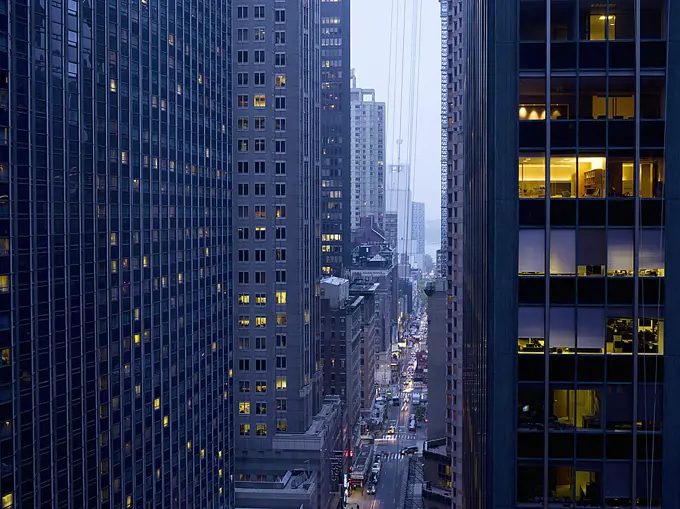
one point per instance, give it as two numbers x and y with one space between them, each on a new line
335 136
115 323
589 306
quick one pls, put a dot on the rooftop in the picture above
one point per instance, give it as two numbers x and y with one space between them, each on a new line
435 449
333 280
295 488
362 287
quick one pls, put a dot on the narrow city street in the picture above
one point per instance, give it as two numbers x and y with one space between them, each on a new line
393 472
394 469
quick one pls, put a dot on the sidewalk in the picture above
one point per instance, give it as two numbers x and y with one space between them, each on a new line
358 501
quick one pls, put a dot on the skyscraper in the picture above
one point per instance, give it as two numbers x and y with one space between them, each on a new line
567 300
453 58
368 156
399 196
335 137
115 320
418 233
276 228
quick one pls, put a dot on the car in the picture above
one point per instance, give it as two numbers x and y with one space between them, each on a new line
370 489
391 430
412 425
409 450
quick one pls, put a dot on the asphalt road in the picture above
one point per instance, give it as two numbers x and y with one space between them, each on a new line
394 467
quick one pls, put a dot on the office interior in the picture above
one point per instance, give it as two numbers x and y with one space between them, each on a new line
589 330
591 252
589 176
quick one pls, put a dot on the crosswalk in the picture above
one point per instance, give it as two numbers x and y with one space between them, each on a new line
395 456
399 436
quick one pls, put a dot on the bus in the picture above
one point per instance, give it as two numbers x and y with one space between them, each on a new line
395 401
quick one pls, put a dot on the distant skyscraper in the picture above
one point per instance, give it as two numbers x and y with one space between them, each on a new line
335 137
569 383
398 201
277 247
418 234
115 320
368 156
391 229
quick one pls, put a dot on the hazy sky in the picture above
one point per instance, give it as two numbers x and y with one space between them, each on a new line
371 26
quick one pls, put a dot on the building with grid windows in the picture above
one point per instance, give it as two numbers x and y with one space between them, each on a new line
335 136
368 156
569 304
417 253
341 343
277 372
115 318
399 197
450 259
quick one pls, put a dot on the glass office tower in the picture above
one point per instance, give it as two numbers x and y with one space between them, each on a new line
115 322
572 102
335 137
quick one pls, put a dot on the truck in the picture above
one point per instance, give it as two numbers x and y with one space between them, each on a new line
416 398
395 401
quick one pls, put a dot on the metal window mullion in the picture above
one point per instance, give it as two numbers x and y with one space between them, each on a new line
546 300
636 257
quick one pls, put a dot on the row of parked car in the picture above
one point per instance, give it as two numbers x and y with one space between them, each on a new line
372 485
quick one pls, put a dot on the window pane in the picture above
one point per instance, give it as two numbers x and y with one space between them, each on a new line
591 252
651 253
562 329
591 177
532 15
562 97
563 20
620 175
532 176
531 322
531 98
620 252
651 177
591 330
563 177
563 252
532 251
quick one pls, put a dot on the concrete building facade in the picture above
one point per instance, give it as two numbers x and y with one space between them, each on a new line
277 369
453 199
417 256
438 359
375 263
341 327
437 475
369 329
399 197
297 471
391 228
368 156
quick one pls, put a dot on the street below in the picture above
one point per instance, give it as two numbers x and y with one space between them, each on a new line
393 475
